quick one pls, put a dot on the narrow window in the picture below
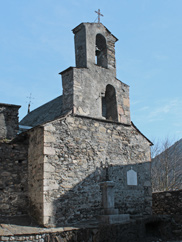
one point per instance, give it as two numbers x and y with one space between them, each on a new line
109 105
101 51
104 107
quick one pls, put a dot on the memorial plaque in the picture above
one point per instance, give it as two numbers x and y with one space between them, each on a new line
132 178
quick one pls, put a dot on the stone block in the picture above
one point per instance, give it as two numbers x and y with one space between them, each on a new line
50 185
4 238
102 130
48 210
5 173
114 219
83 112
48 168
126 102
120 110
49 151
110 211
49 127
123 119
70 120
49 137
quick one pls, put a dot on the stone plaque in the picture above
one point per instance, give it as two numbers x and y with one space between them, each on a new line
132 178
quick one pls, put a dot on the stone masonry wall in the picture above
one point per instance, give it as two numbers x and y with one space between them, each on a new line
85 45
169 202
13 177
82 88
67 83
88 86
35 173
75 148
8 121
80 48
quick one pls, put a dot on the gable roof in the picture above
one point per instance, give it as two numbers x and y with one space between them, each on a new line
45 113
77 28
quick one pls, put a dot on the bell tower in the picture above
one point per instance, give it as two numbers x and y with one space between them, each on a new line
91 88
94 44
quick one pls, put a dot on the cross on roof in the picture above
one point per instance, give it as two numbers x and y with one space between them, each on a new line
99 14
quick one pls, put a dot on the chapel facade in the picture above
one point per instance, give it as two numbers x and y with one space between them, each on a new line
64 144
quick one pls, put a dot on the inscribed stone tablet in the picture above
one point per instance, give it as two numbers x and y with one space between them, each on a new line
131 178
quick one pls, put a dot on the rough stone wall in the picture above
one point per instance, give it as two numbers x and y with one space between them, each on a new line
111 52
76 147
80 48
67 83
35 173
169 202
83 92
13 177
8 121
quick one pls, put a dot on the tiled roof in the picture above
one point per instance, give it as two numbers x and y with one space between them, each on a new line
45 113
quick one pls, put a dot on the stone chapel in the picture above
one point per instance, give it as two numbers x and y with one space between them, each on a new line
53 161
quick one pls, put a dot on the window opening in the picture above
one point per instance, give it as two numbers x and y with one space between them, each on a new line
109 104
104 107
101 51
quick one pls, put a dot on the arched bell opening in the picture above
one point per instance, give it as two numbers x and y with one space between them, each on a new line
101 51
109 104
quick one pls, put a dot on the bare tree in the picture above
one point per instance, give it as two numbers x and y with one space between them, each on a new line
167 165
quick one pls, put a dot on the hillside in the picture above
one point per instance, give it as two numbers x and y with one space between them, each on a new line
167 168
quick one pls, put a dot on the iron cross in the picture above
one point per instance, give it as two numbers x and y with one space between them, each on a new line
99 14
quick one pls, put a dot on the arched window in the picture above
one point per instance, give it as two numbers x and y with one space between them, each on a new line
109 105
101 51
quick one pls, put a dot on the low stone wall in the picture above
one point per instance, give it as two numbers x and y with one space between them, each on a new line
36 238
169 202
13 178
151 229
120 233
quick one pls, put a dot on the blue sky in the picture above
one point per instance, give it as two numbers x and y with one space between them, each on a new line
36 43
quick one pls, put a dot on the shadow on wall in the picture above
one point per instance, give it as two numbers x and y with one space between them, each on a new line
133 194
13 177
